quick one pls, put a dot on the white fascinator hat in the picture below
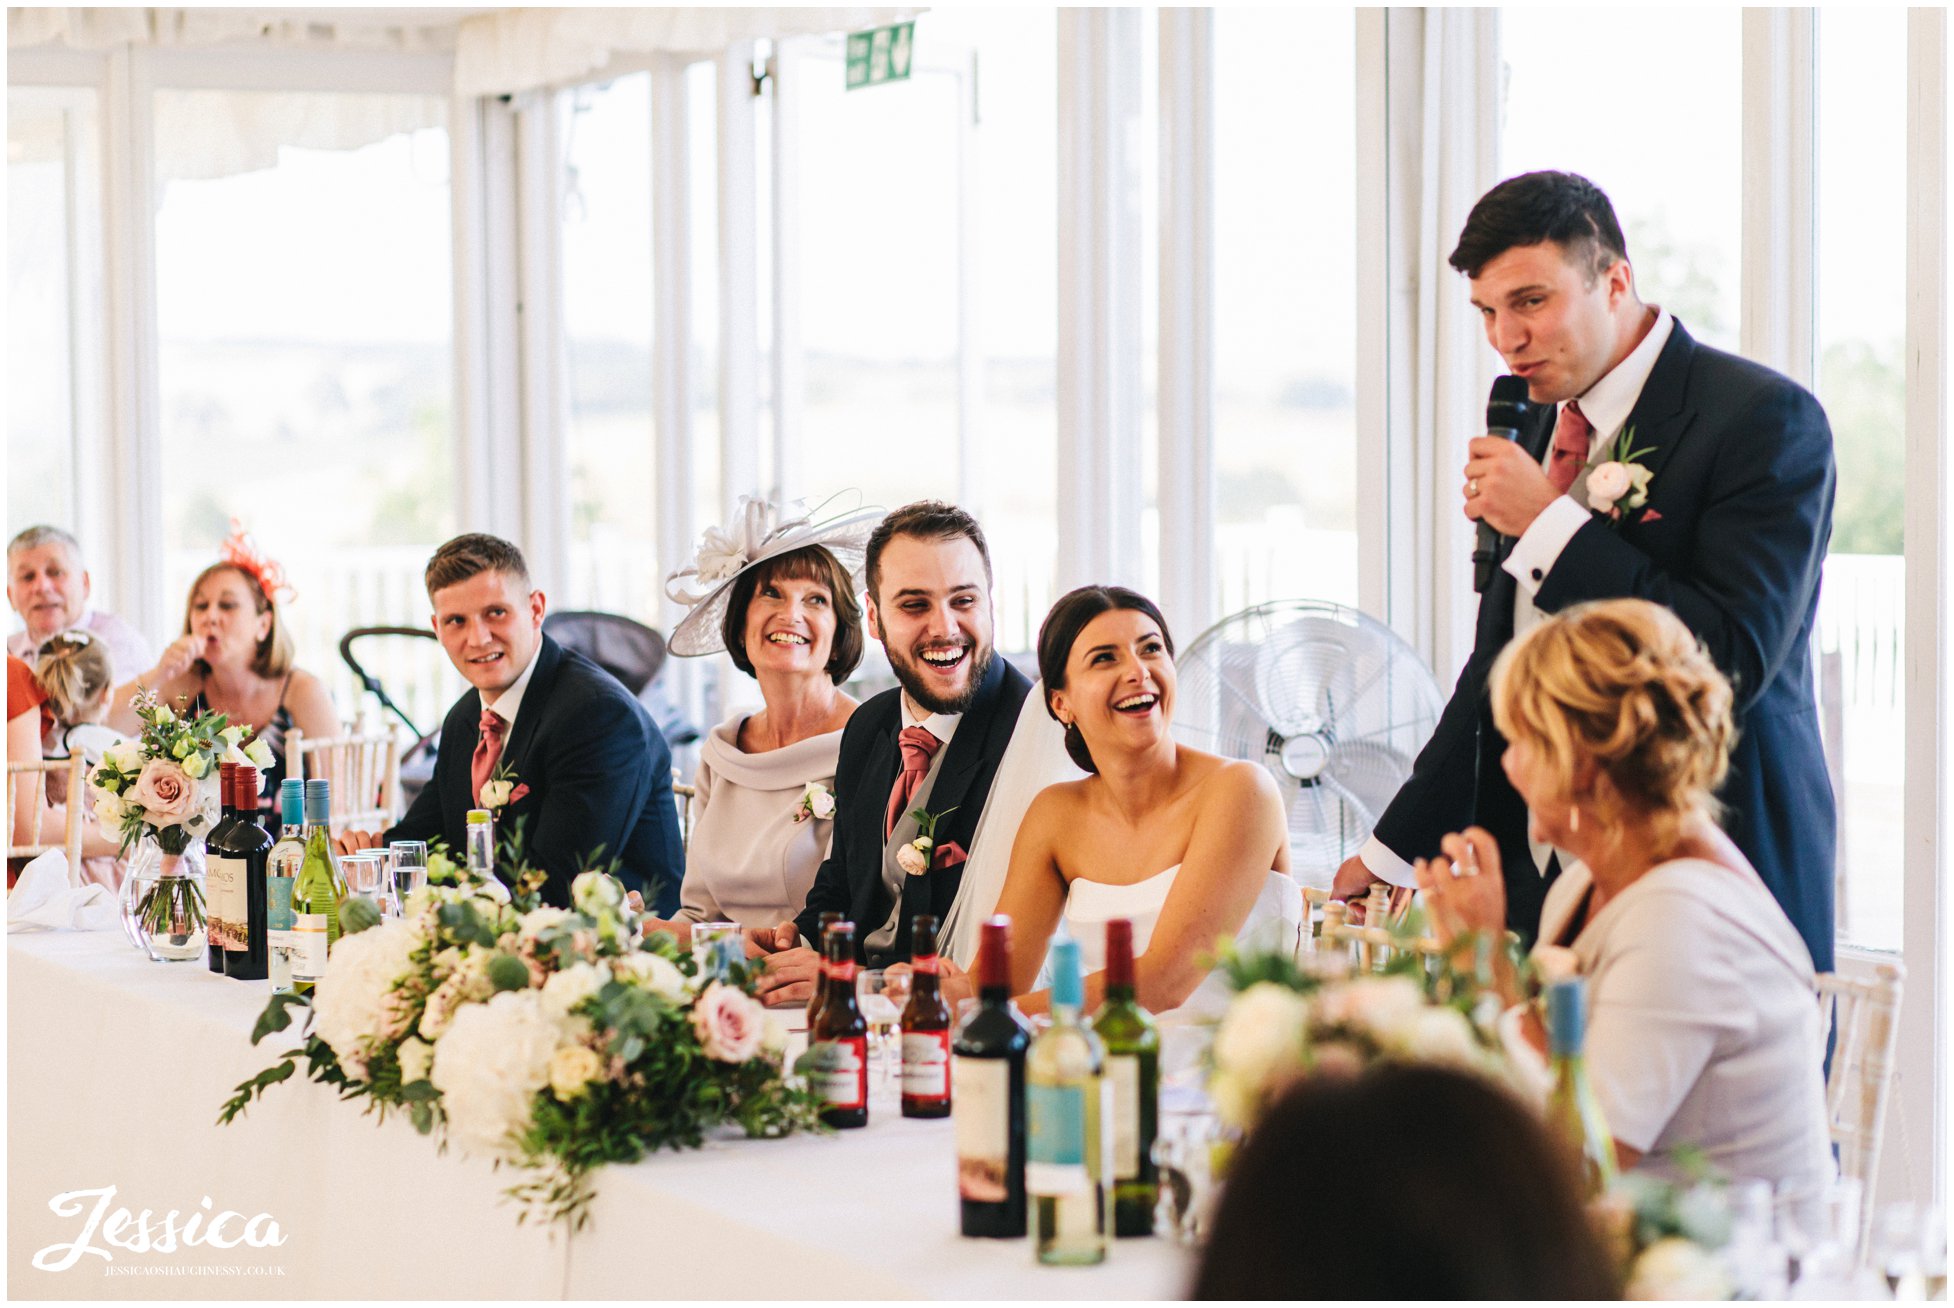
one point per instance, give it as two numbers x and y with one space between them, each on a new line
761 530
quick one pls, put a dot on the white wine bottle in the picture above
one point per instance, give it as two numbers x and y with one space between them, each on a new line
1571 1105
281 878
1069 1114
318 893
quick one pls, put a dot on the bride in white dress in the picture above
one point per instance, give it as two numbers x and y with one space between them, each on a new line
1190 847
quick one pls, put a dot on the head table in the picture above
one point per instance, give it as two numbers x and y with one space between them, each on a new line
118 1067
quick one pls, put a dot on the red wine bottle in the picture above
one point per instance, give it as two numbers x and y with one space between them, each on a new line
248 846
988 1082
223 889
838 1035
925 1029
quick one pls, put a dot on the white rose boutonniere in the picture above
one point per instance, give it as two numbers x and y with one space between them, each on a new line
817 803
502 789
1616 483
914 857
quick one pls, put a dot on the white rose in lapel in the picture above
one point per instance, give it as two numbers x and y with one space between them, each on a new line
496 793
817 802
1606 483
914 857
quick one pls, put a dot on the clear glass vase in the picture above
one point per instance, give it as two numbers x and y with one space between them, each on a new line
163 902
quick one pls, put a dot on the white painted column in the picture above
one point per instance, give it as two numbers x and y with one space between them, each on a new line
1099 484
135 435
1779 194
1382 303
1921 1107
789 361
543 493
739 285
488 352
1186 387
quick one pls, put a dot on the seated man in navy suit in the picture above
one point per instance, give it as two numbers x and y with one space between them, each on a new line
934 745
582 765
1659 469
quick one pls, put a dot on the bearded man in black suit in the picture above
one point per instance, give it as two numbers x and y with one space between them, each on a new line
1718 505
932 745
546 738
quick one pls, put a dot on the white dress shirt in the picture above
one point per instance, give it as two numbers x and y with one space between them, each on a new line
509 702
1606 405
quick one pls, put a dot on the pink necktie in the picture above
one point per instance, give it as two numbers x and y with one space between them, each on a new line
1571 436
488 750
918 748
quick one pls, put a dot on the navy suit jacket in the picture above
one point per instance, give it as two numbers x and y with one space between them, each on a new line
598 771
850 878
1732 540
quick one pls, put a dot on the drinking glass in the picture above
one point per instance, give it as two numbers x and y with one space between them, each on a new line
362 870
873 993
1818 1225
407 872
715 945
1753 1257
1894 1249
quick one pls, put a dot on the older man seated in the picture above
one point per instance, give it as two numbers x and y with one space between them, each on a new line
48 586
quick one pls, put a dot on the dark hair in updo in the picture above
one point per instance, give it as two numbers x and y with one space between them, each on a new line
1060 632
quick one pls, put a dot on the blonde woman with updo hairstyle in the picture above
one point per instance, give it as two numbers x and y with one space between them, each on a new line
73 671
1703 1032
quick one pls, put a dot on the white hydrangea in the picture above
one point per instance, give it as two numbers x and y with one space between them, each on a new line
353 1003
489 1066
1438 1035
538 920
655 973
570 987
1262 1033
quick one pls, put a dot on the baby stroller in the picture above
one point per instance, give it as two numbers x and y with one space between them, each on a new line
623 647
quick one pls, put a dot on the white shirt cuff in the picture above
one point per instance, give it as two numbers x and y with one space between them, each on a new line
1385 865
1539 547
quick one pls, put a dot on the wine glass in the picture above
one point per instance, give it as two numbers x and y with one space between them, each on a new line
1818 1225
407 872
879 1010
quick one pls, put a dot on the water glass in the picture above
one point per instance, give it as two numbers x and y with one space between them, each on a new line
362 870
1818 1225
876 997
406 872
716 946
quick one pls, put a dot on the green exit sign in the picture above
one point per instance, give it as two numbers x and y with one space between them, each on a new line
881 55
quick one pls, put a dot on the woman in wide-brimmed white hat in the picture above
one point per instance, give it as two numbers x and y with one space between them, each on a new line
777 590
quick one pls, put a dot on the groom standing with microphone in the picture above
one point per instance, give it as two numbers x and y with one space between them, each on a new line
1652 467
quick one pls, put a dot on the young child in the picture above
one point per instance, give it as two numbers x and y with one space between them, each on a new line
73 670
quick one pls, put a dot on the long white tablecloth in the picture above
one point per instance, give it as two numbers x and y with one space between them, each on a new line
118 1067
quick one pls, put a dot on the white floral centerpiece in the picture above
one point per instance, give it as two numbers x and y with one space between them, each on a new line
1291 1020
551 1039
1669 1237
162 787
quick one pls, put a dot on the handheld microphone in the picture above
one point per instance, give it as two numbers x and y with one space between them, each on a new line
1508 411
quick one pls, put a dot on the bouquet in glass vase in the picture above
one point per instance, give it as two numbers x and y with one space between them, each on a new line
160 793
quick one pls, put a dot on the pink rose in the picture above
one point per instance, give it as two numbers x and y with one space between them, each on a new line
729 1024
165 793
1606 484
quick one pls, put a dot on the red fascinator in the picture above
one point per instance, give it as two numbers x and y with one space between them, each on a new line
241 551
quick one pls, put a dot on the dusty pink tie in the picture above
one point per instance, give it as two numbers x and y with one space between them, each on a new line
918 748
1571 436
488 751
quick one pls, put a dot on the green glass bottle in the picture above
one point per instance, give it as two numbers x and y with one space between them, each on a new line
1066 1103
1133 1070
317 896
1571 1106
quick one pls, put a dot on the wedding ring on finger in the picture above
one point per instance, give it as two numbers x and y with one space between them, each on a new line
1472 487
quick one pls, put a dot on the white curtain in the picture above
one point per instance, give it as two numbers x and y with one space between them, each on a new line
1445 96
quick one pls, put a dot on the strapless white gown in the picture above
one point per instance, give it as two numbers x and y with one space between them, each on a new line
1274 921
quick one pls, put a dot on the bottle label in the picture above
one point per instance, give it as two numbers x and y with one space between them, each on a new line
982 1090
840 1078
1123 1075
1055 1161
926 1065
926 965
308 946
225 907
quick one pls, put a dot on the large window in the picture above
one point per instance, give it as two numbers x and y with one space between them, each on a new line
50 164
607 320
305 327
1285 256
1668 155
1861 317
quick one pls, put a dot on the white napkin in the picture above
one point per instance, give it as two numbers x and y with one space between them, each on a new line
42 900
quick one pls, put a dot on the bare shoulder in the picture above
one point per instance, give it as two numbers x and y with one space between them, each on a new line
1238 780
